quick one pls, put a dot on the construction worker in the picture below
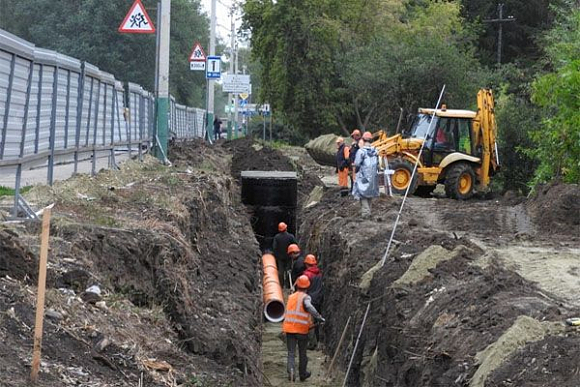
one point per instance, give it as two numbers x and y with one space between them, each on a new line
366 185
356 137
297 323
280 246
342 165
315 290
298 266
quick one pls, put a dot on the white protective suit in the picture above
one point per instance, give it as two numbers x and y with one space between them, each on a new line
366 185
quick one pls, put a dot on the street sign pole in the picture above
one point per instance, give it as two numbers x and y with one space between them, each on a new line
210 83
163 79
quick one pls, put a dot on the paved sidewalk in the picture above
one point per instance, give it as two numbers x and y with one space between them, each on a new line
61 172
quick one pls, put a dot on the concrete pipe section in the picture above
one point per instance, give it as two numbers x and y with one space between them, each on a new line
273 298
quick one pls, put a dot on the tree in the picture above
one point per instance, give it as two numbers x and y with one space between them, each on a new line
558 141
87 30
329 64
520 43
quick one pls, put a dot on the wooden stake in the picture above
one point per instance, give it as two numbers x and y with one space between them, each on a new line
329 371
41 293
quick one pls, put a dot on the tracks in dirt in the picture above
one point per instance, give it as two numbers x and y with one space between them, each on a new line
551 261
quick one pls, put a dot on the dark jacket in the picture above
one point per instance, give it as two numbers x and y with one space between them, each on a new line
353 149
217 124
298 268
280 244
315 290
341 161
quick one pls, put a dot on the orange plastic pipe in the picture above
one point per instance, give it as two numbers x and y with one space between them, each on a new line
273 298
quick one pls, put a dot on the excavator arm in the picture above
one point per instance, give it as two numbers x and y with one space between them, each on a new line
485 132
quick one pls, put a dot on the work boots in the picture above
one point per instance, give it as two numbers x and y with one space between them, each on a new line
305 376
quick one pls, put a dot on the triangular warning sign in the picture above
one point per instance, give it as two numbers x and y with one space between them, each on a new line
137 20
197 54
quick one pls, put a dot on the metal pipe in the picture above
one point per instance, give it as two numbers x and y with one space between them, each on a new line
273 298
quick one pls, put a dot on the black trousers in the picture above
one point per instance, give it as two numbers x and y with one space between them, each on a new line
302 340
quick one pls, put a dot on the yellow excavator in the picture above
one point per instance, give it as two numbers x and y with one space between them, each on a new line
459 151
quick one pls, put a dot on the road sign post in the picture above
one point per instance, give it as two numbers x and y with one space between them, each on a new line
212 72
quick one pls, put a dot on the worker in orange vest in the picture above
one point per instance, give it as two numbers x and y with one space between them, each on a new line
297 323
342 165
280 246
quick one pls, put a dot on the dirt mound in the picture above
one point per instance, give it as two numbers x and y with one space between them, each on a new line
173 254
556 208
248 156
16 261
424 332
198 154
549 362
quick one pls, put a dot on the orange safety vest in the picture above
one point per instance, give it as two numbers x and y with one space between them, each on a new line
297 319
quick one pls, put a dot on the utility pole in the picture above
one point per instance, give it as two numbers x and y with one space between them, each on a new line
500 20
231 125
210 84
236 94
162 102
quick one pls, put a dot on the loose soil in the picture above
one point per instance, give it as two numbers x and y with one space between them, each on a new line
171 249
476 268
173 252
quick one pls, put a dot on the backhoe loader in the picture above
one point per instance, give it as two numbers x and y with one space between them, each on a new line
459 150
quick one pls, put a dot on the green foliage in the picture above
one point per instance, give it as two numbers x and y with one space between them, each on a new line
281 133
558 141
5 191
329 64
516 117
87 30
520 43
406 64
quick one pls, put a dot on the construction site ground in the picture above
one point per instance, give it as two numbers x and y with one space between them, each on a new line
472 293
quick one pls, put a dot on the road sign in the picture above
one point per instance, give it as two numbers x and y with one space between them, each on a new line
244 96
197 66
236 83
213 67
137 20
197 53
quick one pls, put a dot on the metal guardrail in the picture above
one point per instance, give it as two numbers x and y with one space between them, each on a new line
55 109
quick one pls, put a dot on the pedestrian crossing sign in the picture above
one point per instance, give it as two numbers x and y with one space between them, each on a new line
197 54
137 20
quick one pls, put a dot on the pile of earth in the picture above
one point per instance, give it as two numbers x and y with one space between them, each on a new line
173 255
250 156
442 312
556 206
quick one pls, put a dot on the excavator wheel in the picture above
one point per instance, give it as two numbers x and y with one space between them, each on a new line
401 177
460 181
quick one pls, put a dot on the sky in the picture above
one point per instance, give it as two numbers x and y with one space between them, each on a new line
223 19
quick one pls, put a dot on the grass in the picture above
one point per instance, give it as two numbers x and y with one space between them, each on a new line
5 191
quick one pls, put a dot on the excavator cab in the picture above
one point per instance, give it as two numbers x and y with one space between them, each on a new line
459 150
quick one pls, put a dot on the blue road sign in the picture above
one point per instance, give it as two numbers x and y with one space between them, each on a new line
212 69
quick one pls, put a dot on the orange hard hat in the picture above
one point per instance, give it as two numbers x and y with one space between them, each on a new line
293 248
355 132
282 227
310 259
303 282
367 136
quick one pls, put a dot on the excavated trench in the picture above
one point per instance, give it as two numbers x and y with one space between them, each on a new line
447 309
